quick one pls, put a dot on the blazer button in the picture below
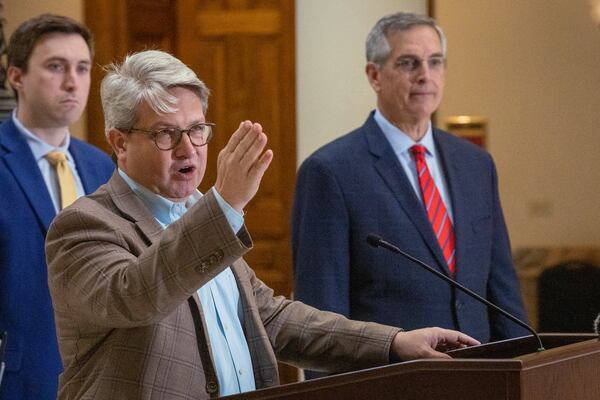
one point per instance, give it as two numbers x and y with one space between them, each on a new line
203 267
458 305
211 387
211 260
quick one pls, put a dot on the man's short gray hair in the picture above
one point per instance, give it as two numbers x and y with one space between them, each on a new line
378 47
147 77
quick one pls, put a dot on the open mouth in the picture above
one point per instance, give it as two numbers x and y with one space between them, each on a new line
186 170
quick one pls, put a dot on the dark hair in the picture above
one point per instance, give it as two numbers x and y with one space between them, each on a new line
26 36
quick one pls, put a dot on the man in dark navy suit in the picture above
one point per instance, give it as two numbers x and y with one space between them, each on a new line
432 194
49 62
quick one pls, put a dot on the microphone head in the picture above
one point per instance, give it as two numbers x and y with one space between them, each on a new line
597 325
373 239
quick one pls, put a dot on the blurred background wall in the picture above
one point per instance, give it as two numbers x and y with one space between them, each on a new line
532 68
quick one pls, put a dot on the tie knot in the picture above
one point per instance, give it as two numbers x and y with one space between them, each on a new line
418 151
55 157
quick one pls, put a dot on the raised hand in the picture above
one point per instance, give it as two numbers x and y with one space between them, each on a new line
241 165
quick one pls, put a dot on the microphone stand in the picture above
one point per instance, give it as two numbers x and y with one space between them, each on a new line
377 241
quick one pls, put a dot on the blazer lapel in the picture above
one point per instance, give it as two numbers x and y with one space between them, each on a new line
264 363
88 173
132 207
24 168
390 170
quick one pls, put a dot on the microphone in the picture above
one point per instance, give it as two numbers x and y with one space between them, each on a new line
597 325
377 241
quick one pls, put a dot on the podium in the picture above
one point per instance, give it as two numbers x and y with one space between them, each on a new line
569 369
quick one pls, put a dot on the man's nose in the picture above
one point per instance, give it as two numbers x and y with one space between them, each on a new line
423 72
70 79
185 147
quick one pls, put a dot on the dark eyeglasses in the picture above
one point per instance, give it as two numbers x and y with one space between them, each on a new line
169 138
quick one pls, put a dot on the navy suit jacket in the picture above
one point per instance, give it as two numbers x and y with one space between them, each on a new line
26 210
354 186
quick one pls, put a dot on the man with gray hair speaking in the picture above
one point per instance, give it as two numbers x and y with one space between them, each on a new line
151 295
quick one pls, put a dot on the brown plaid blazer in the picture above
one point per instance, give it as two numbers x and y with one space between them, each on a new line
120 286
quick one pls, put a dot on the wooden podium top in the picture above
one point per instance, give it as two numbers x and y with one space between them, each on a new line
513 369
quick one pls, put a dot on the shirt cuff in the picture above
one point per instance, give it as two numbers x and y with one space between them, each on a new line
235 219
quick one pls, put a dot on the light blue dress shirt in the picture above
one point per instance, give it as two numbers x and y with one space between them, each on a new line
401 144
220 297
40 149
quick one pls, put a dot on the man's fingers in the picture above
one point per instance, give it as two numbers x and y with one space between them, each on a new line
254 151
437 354
242 164
467 340
451 337
238 136
429 343
245 148
238 143
261 165
247 139
459 338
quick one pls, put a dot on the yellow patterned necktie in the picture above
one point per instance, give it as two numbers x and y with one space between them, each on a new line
66 181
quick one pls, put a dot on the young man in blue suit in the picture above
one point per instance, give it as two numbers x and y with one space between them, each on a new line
447 215
49 62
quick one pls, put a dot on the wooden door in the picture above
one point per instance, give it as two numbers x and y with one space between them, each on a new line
119 28
244 51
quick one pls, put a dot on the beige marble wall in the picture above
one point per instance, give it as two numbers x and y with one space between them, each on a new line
333 95
532 68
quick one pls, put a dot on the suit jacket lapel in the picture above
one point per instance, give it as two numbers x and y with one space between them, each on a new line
132 208
264 363
21 163
388 166
88 173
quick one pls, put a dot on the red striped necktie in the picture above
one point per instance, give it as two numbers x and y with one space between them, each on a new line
435 207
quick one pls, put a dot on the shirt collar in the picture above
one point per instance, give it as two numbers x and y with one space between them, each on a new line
400 141
164 210
38 147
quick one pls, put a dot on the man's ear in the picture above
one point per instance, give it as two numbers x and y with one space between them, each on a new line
15 77
118 142
373 75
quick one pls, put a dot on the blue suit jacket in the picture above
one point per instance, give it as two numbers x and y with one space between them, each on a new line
355 186
32 359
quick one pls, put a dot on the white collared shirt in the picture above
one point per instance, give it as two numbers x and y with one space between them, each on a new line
40 149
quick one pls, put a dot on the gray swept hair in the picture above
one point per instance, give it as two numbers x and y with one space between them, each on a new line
145 76
378 47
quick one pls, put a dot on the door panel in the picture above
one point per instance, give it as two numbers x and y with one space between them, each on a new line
244 52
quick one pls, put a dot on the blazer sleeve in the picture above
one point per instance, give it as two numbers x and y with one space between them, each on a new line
503 285
319 340
104 270
320 239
